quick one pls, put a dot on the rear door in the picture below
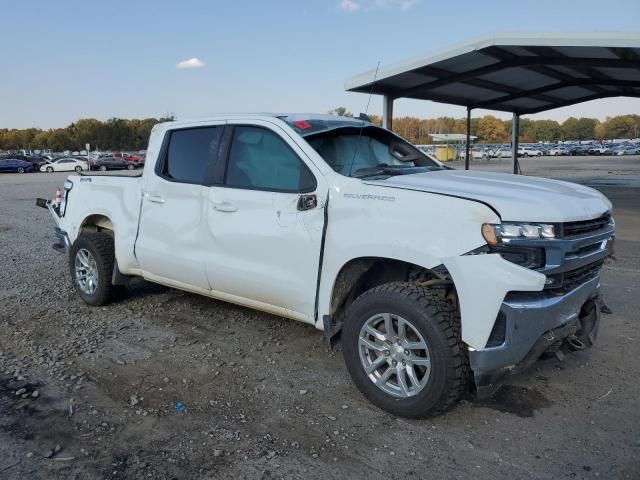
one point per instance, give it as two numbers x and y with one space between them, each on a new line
265 220
172 241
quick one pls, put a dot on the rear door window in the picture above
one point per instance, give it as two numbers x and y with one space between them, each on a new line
190 154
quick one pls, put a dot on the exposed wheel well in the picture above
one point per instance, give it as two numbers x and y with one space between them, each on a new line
97 223
362 274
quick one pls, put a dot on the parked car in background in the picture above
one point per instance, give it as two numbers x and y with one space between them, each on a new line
600 150
112 163
132 158
36 161
578 150
557 151
629 151
15 165
529 152
68 164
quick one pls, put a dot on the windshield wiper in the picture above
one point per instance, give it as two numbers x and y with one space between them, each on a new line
391 171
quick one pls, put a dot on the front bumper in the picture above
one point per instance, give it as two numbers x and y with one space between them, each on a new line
535 323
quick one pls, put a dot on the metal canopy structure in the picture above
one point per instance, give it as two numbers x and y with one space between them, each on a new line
517 73
450 137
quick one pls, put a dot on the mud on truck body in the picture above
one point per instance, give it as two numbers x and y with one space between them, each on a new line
437 281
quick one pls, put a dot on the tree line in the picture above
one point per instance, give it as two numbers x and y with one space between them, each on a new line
112 134
122 134
490 129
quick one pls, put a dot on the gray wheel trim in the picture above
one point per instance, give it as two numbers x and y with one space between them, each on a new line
394 355
86 271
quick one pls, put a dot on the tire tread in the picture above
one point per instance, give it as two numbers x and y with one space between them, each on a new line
446 319
103 244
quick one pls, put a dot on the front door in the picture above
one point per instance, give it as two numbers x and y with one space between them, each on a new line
265 221
172 240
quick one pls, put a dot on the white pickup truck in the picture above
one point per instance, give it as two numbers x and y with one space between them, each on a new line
439 281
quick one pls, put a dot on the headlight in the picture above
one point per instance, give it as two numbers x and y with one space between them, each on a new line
502 233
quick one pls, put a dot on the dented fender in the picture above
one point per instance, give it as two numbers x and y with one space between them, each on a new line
482 282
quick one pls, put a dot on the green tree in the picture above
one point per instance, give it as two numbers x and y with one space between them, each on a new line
586 128
622 126
546 130
579 129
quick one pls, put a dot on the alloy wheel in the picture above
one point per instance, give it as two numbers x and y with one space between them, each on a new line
86 271
394 355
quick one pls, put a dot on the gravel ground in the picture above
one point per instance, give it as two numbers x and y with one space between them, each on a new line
92 392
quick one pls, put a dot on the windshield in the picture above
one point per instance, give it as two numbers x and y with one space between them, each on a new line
369 151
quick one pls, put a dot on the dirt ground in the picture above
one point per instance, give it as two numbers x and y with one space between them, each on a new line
166 384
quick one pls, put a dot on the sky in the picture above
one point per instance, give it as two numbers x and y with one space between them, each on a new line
69 59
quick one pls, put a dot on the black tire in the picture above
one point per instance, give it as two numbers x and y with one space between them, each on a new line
50 169
438 323
131 166
78 169
100 245
103 168
20 169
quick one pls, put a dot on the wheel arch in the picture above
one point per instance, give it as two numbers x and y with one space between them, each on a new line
360 274
97 223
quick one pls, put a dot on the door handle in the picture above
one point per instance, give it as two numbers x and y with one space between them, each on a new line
155 198
223 206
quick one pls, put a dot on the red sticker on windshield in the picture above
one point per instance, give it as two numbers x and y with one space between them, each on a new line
302 124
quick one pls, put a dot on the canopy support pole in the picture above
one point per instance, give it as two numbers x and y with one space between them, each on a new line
387 112
466 156
515 130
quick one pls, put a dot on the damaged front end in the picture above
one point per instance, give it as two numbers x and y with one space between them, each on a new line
531 326
563 317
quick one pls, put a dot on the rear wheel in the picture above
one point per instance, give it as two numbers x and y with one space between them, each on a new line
20 169
131 166
401 344
91 262
78 169
103 168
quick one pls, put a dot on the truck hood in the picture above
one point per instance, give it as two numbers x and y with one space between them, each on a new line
514 197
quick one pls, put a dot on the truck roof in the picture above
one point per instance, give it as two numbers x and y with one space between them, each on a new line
303 123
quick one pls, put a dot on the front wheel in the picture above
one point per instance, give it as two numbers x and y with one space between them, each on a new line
50 169
20 169
91 262
103 168
130 166
401 344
